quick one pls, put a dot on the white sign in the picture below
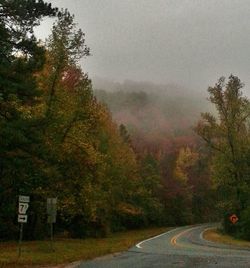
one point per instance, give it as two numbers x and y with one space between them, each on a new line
24 198
22 218
22 209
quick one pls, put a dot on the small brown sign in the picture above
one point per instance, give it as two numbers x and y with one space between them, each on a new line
233 218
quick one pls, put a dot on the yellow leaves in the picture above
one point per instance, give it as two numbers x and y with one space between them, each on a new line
186 159
128 209
26 111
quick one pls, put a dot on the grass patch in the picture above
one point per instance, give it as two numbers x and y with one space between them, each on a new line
215 235
37 253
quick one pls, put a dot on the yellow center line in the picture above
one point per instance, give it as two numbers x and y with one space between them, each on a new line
174 239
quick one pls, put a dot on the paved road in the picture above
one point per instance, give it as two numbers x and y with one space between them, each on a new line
181 247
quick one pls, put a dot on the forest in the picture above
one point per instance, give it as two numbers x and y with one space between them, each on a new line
131 157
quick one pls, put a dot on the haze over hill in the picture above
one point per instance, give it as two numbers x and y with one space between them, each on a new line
129 85
156 114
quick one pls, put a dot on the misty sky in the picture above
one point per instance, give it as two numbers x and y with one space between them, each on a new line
186 42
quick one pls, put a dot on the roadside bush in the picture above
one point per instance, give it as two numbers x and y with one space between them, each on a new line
244 224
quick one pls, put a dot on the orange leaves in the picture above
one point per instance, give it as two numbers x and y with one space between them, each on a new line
128 209
71 78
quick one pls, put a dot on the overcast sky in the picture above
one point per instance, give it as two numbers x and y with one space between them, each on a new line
187 42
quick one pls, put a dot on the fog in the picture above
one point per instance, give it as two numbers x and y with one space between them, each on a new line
186 42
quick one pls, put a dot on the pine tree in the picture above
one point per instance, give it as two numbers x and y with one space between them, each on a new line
21 57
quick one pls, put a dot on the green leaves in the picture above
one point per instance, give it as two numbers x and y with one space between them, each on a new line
21 155
228 135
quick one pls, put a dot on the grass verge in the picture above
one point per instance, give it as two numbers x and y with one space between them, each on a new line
215 235
38 253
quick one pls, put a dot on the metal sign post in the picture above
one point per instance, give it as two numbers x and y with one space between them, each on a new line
51 211
23 206
20 240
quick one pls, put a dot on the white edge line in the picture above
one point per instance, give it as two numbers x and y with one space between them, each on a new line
202 233
170 231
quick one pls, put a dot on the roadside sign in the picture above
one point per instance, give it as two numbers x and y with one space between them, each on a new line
233 218
22 209
51 209
24 198
51 218
22 218
23 206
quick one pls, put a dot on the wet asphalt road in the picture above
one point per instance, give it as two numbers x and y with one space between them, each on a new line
180 247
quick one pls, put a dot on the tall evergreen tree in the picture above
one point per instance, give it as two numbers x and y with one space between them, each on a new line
21 57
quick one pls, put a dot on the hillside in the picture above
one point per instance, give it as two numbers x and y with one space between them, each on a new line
155 115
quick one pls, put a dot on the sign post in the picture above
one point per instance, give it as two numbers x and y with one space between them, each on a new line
51 211
23 206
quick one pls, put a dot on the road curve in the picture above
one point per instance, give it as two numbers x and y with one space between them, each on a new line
180 247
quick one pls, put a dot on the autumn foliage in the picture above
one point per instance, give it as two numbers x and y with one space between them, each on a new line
57 139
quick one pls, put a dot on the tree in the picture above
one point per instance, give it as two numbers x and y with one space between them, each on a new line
20 141
228 136
124 134
97 184
21 55
152 189
66 46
